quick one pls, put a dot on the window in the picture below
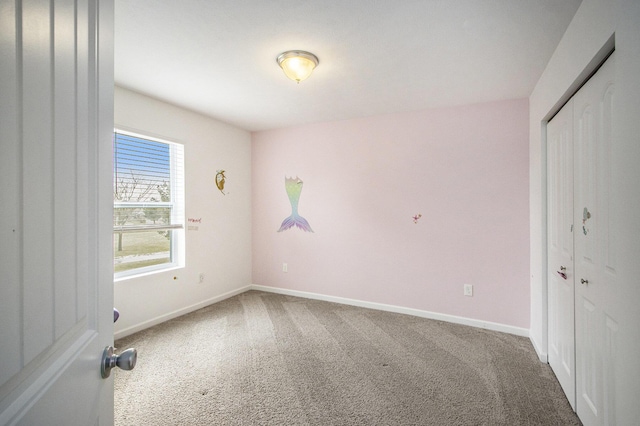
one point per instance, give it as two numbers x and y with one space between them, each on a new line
148 204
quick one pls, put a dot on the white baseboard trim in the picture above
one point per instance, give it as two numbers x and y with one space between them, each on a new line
543 356
398 309
488 325
179 312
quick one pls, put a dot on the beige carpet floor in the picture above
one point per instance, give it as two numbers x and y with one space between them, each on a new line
267 359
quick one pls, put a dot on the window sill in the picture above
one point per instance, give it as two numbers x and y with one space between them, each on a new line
147 273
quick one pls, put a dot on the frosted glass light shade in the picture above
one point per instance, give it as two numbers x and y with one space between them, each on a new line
297 64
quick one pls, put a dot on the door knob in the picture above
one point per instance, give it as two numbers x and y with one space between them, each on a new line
126 360
563 268
583 281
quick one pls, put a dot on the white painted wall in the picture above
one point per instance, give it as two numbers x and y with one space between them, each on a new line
221 247
593 26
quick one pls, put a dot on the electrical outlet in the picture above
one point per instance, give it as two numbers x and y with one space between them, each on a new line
201 277
284 267
468 290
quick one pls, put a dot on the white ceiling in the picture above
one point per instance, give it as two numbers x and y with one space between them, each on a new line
218 57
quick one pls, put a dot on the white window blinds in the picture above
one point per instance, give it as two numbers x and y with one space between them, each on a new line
148 184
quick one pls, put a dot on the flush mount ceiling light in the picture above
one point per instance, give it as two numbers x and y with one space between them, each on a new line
297 64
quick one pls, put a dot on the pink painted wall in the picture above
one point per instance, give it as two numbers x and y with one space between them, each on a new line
465 169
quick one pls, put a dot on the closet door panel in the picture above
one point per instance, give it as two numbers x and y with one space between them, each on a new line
560 249
595 259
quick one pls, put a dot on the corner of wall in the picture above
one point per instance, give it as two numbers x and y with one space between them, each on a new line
218 245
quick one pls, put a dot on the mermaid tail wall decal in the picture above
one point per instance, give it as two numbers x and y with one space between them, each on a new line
294 188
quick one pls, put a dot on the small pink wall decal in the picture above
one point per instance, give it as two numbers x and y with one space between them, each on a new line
416 218
293 186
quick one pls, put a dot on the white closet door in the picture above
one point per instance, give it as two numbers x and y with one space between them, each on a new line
560 249
595 258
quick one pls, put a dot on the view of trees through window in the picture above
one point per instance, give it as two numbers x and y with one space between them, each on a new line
144 219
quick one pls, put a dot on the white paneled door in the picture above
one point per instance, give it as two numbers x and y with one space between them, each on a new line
560 253
581 239
56 297
595 260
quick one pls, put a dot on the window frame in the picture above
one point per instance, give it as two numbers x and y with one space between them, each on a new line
177 225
